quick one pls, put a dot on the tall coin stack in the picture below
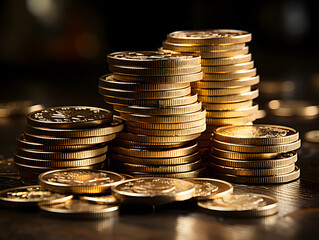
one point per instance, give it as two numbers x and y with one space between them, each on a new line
228 76
64 137
151 91
257 154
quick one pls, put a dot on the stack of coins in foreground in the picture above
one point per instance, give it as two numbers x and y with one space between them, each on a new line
228 76
64 137
256 154
152 92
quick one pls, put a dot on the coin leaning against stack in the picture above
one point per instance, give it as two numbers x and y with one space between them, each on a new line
64 137
151 91
257 154
226 90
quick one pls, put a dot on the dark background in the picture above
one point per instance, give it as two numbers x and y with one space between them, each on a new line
53 51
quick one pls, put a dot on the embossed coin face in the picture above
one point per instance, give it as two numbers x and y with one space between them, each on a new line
70 117
153 59
209 36
30 195
153 190
256 134
246 204
80 209
79 181
208 188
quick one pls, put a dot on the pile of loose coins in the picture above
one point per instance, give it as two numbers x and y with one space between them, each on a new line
228 76
63 137
94 194
257 154
151 91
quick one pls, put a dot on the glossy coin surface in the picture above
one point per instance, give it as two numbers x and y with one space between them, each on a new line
153 190
30 195
208 188
69 117
79 181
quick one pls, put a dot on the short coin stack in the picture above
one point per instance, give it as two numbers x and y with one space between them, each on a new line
63 137
257 154
152 92
228 75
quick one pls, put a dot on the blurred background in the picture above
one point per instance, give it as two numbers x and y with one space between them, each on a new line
53 51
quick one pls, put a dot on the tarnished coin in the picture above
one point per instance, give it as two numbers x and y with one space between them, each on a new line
79 181
70 117
210 36
209 188
30 196
153 190
152 59
257 134
79 209
242 205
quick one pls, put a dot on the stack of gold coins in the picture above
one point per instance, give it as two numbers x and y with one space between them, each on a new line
64 137
256 154
228 76
151 91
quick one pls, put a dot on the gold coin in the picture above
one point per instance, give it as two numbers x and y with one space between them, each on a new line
70 141
30 196
179 118
283 178
155 71
153 190
107 81
231 121
160 132
152 59
189 108
288 108
230 98
105 199
226 60
208 188
312 136
227 106
243 156
190 174
222 91
18 108
185 78
68 163
70 117
229 75
218 36
223 54
200 47
242 205
158 139
166 126
79 209
252 171
169 161
114 127
226 83
145 94
284 159
233 113
279 148
156 153
147 145
258 134
177 101
79 181
186 167
228 68
89 153
22 142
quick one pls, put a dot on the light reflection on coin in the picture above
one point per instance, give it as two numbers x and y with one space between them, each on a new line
312 136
